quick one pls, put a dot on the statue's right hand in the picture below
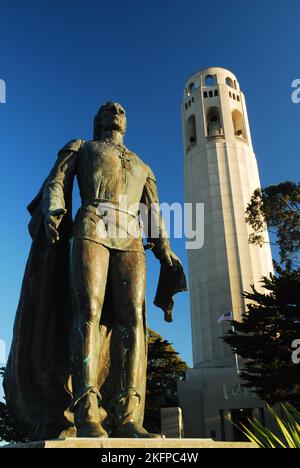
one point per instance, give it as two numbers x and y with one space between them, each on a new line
52 222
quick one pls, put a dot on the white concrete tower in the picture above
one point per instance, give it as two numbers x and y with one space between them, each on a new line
221 172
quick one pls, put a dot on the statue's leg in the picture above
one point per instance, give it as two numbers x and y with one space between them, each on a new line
127 274
89 267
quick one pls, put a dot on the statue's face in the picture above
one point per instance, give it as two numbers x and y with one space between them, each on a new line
112 117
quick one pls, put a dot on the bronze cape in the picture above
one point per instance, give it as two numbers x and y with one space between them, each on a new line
37 381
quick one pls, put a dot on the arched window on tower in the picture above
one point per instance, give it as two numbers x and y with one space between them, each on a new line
190 89
210 80
213 119
191 135
239 124
229 82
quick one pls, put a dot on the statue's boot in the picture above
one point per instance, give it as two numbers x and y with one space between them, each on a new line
68 433
128 417
87 415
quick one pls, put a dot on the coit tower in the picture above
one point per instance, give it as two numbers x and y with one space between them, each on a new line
220 172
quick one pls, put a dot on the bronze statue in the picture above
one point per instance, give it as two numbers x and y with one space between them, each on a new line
79 354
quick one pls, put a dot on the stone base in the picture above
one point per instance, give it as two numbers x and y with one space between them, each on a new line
214 401
131 444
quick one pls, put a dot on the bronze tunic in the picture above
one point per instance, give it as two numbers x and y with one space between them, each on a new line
113 182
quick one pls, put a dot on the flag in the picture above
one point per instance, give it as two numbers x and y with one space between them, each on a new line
227 317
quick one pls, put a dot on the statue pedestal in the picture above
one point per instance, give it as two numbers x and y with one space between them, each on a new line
132 444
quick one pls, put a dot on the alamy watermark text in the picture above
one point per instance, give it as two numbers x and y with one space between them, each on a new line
2 92
296 92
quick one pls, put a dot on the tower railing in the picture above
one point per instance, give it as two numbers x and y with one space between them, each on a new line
215 137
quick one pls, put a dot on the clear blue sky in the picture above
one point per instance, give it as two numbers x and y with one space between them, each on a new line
61 60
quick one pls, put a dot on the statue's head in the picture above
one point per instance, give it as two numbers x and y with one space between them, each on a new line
110 116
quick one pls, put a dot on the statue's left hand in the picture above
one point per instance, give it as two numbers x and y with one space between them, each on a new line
169 258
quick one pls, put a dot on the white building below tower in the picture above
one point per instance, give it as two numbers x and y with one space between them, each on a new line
220 170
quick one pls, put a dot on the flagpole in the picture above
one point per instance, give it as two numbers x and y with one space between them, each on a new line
228 316
236 356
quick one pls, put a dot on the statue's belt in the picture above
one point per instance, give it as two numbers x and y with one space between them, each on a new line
101 208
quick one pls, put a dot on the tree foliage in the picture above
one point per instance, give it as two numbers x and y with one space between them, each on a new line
165 369
264 339
277 207
8 432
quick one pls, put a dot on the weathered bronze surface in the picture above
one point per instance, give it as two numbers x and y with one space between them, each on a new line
79 355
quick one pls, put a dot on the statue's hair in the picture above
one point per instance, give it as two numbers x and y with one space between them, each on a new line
97 119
